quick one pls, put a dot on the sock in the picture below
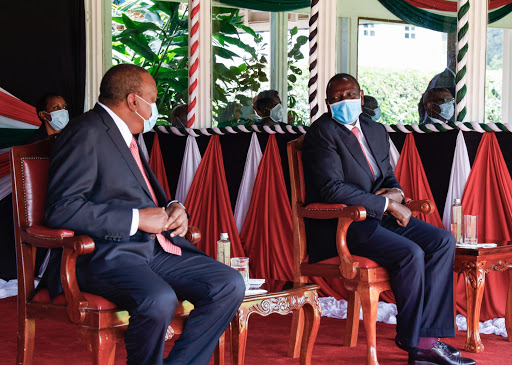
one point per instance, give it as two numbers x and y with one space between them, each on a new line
426 343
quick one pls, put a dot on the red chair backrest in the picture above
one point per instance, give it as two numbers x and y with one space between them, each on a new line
29 170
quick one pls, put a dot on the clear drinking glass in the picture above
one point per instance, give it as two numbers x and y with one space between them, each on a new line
471 229
241 264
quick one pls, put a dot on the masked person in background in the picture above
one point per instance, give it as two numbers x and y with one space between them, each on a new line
52 110
268 106
371 108
439 106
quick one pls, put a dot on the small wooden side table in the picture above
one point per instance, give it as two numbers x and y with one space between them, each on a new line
303 298
474 264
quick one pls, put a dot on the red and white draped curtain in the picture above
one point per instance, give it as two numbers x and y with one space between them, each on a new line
17 119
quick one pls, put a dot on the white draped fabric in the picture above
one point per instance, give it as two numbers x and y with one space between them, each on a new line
243 200
394 155
189 165
458 178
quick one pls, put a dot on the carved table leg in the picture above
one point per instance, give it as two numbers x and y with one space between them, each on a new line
455 277
296 333
218 354
474 277
508 309
311 323
238 332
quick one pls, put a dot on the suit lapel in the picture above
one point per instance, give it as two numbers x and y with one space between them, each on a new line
120 144
350 140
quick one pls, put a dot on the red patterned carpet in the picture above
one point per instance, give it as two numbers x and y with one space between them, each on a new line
267 344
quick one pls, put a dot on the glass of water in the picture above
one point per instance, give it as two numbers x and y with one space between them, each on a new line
241 264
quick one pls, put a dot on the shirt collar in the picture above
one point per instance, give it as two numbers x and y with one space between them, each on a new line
121 125
350 126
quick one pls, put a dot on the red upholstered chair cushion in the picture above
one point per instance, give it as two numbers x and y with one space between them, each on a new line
94 301
363 261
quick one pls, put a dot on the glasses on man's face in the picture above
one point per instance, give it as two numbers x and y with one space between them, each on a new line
446 100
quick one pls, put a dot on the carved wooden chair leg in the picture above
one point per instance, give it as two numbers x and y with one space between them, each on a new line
352 324
296 333
311 324
26 337
370 303
101 344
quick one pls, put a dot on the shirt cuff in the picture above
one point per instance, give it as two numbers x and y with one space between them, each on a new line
135 222
386 205
176 201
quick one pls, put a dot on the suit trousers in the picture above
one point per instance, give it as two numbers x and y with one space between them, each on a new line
419 259
150 291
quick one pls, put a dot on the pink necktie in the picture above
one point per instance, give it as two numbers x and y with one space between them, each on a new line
167 245
355 130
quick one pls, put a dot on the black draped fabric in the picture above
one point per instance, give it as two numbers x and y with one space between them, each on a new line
43 50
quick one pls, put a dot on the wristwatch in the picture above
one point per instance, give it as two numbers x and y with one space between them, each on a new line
401 192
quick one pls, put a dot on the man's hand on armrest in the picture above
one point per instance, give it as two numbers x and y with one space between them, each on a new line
400 212
391 193
178 219
153 220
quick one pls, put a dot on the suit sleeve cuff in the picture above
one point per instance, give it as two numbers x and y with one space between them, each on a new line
177 201
135 222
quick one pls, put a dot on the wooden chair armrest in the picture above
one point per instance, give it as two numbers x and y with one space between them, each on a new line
425 206
193 235
331 211
73 246
41 236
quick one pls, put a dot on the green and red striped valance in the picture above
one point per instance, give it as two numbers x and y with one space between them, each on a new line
439 15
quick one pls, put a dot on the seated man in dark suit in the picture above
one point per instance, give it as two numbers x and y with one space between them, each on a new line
101 186
346 160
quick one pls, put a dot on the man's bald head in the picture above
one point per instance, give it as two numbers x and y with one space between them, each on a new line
120 81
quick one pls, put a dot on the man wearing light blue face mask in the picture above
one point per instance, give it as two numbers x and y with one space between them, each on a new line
346 161
99 184
439 106
268 106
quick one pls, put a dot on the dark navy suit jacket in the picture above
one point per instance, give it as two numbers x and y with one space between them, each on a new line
94 183
337 172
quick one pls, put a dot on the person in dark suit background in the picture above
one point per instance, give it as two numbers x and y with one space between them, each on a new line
346 160
99 185
439 106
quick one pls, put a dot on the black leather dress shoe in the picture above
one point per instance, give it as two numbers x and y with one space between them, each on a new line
404 347
437 355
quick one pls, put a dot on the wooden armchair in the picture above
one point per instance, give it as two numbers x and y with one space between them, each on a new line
101 323
364 278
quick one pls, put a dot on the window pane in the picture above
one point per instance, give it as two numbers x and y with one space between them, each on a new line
240 63
298 68
397 66
494 75
155 38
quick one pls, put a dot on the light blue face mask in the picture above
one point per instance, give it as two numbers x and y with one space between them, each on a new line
276 114
149 123
447 110
346 111
377 115
60 119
